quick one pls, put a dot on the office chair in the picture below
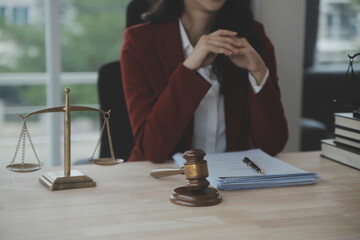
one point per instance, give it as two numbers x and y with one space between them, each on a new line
312 132
111 95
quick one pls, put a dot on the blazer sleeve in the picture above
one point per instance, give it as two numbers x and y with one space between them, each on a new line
158 121
268 125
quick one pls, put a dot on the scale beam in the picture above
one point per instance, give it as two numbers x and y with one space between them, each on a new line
62 109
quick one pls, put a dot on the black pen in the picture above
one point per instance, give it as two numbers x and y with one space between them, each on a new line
250 163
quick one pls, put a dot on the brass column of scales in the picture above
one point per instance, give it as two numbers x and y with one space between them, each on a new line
67 179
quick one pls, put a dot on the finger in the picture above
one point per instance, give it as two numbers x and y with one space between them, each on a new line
244 51
223 43
230 40
220 42
219 50
223 32
245 47
243 42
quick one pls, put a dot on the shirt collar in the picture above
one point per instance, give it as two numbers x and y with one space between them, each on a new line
185 39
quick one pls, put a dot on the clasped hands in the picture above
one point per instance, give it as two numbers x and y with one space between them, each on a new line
239 50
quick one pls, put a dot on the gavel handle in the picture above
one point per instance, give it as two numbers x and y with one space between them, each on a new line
158 173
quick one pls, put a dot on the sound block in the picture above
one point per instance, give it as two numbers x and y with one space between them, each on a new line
195 198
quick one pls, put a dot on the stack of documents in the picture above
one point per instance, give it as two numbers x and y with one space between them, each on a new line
227 171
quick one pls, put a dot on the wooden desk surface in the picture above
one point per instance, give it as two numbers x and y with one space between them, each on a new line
129 204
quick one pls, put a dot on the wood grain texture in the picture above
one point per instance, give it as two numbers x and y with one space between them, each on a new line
129 204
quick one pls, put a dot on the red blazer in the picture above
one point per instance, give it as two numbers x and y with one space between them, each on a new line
162 96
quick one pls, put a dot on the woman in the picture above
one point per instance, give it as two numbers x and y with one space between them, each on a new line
201 74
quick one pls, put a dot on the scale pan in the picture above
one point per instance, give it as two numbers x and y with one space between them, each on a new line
24 167
106 161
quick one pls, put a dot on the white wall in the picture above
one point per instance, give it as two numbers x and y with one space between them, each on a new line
284 22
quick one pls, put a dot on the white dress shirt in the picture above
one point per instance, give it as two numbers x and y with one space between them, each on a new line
209 120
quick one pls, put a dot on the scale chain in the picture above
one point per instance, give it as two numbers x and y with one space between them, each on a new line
23 145
22 141
22 132
106 123
99 140
109 138
32 145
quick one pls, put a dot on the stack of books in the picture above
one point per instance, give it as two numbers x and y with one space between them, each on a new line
228 171
345 147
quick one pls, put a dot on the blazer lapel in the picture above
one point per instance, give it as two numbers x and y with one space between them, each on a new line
169 47
171 53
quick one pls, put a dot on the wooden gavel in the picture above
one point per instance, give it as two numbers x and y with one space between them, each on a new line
197 192
195 170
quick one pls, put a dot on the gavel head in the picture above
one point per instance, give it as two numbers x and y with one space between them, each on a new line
196 170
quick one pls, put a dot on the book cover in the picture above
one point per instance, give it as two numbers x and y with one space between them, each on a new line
347 120
346 155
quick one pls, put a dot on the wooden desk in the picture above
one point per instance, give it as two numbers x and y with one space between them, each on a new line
129 204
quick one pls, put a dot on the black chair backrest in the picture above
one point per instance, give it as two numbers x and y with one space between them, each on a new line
111 95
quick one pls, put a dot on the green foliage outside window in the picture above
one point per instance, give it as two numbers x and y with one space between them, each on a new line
29 42
91 35
96 36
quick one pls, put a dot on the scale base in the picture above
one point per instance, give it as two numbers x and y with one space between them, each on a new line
57 181
195 198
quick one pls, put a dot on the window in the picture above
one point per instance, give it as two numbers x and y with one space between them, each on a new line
91 35
20 15
338 31
332 32
2 13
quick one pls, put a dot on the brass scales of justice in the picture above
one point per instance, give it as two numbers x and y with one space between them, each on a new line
67 179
